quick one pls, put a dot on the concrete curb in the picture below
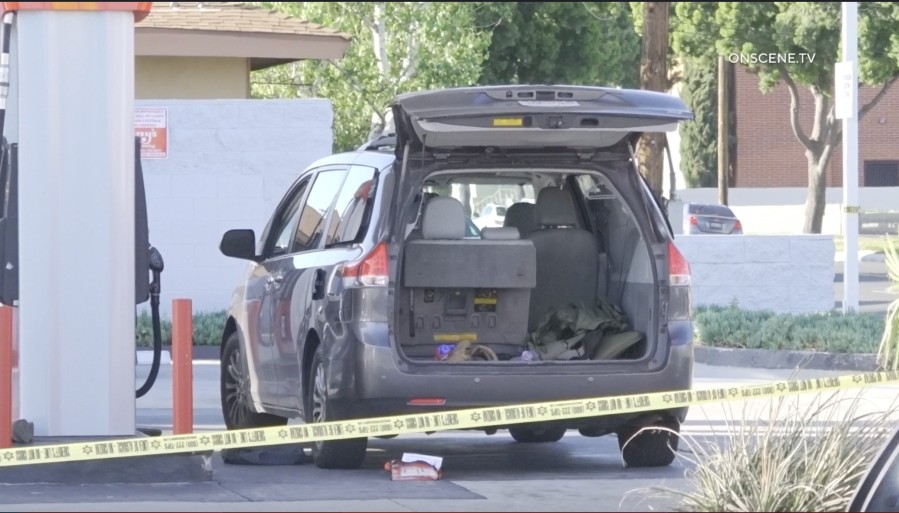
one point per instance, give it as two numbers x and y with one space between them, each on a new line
157 469
769 359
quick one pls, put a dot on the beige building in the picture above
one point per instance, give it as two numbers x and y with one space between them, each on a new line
206 50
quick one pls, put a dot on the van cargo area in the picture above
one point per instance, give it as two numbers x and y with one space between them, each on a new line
565 277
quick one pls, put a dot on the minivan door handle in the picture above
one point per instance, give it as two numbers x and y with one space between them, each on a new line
318 291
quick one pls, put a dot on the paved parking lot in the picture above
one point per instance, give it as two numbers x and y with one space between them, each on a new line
874 284
481 473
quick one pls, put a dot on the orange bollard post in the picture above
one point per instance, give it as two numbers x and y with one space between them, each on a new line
182 367
6 364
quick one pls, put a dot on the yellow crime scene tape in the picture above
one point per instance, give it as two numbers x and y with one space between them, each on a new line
473 418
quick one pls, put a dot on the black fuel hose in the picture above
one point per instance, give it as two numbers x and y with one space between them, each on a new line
156 265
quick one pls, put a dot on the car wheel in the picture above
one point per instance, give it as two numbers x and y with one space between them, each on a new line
536 436
332 454
650 447
235 388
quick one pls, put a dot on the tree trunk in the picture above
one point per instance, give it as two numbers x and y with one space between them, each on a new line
817 186
654 77
818 152
466 200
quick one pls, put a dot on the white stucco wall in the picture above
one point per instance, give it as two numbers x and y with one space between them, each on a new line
229 163
786 274
782 210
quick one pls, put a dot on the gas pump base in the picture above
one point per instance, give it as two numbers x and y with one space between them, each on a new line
163 469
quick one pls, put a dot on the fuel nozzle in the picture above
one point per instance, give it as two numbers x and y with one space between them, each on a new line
156 267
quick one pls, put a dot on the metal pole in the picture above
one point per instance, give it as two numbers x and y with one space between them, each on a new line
723 134
850 161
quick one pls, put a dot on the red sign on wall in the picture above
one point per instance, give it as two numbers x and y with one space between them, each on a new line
151 125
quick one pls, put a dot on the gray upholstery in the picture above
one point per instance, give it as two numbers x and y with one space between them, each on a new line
522 217
567 258
444 219
504 264
506 233
555 208
458 285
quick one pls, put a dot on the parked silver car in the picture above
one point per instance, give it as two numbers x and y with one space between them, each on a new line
702 219
353 290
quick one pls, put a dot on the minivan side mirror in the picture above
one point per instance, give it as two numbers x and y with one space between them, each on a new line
239 244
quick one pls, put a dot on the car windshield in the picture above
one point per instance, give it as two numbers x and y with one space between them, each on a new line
711 210
501 211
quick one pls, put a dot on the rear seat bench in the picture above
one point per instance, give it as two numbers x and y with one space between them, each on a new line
476 289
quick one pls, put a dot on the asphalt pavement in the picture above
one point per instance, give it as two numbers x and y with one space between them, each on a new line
481 473
874 284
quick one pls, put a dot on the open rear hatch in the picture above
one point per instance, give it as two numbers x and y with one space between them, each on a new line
460 293
532 117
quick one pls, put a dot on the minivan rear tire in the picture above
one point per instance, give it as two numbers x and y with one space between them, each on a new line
331 454
532 436
649 447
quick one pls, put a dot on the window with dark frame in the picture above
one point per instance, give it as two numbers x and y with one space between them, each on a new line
881 173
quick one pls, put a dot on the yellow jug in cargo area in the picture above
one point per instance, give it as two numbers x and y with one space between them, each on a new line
465 352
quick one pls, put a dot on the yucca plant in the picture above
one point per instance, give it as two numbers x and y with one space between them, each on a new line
803 456
889 345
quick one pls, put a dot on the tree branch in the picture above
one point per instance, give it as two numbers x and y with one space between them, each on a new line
379 39
411 60
880 94
358 87
794 108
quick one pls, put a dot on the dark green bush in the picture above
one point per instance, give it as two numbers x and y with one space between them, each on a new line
208 328
830 332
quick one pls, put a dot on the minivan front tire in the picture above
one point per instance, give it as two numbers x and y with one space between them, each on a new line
331 454
235 390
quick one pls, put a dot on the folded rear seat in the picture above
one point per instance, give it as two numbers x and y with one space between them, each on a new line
466 288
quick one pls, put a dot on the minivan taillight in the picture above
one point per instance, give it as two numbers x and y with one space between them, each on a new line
693 221
678 267
371 271
680 302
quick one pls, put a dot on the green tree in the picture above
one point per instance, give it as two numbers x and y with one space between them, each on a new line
699 138
580 43
707 29
397 47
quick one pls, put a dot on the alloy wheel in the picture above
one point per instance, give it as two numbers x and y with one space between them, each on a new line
236 395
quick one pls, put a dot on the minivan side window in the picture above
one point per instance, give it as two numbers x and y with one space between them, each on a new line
350 210
282 224
311 225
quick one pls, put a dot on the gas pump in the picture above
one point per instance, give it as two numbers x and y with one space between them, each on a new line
73 222
148 260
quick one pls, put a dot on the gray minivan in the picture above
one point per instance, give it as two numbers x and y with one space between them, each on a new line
364 278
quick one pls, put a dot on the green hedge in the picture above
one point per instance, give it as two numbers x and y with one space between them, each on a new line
208 328
831 332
